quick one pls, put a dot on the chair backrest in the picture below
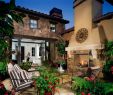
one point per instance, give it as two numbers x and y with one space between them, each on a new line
18 83
14 78
97 72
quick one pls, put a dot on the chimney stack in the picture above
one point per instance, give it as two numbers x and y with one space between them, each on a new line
56 13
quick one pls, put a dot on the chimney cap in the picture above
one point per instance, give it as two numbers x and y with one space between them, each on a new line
56 12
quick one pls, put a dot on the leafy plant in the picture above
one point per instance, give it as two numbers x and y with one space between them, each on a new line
109 49
83 87
107 68
61 48
3 68
26 65
46 82
7 16
61 62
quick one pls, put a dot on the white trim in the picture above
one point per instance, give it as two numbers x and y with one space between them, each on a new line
85 47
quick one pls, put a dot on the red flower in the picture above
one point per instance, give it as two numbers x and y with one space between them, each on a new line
13 92
50 82
6 93
112 68
82 93
1 85
50 86
57 81
112 72
88 94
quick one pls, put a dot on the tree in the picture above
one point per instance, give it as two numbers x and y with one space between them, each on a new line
7 16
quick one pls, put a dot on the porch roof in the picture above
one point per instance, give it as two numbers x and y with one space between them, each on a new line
47 37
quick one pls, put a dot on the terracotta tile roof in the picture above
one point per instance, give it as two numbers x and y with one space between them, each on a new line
103 17
67 31
39 14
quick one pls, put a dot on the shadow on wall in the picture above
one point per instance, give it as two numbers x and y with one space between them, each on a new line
102 34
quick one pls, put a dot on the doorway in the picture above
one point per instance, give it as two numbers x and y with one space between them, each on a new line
22 53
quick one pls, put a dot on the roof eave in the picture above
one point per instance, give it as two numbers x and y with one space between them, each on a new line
22 9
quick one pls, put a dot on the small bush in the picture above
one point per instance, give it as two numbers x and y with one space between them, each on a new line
81 85
26 65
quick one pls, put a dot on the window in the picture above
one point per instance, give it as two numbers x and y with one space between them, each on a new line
33 51
33 24
52 27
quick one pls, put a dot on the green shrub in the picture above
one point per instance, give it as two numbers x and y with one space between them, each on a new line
108 66
26 65
3 68
107 70
46 82
80 85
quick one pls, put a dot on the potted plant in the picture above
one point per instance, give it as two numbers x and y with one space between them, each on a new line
61 55
46 82
61 63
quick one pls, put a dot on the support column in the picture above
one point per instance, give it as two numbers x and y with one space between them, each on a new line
70 61
19 51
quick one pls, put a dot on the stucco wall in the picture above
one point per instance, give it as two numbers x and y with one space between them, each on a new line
43 29
107 28
67 36
83 18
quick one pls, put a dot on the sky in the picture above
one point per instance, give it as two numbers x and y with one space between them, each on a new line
45 6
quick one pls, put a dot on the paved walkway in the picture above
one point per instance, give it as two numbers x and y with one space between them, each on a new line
63 91
60 91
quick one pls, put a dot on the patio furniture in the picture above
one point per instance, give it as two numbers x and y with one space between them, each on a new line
18 82
94 73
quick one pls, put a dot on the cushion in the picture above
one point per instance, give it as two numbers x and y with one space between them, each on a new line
8 85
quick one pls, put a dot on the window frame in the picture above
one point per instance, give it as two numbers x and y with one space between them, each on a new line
32 24
33 51
52 25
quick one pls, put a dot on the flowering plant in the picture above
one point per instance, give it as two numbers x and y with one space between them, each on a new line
3 90
112 70
46 82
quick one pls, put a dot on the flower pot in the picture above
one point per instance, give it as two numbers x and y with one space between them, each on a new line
60 69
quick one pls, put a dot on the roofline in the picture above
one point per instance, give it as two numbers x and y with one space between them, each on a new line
67 30
76 2
39 14
103 17
33 37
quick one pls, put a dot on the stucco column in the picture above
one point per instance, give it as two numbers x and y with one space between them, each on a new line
70 61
